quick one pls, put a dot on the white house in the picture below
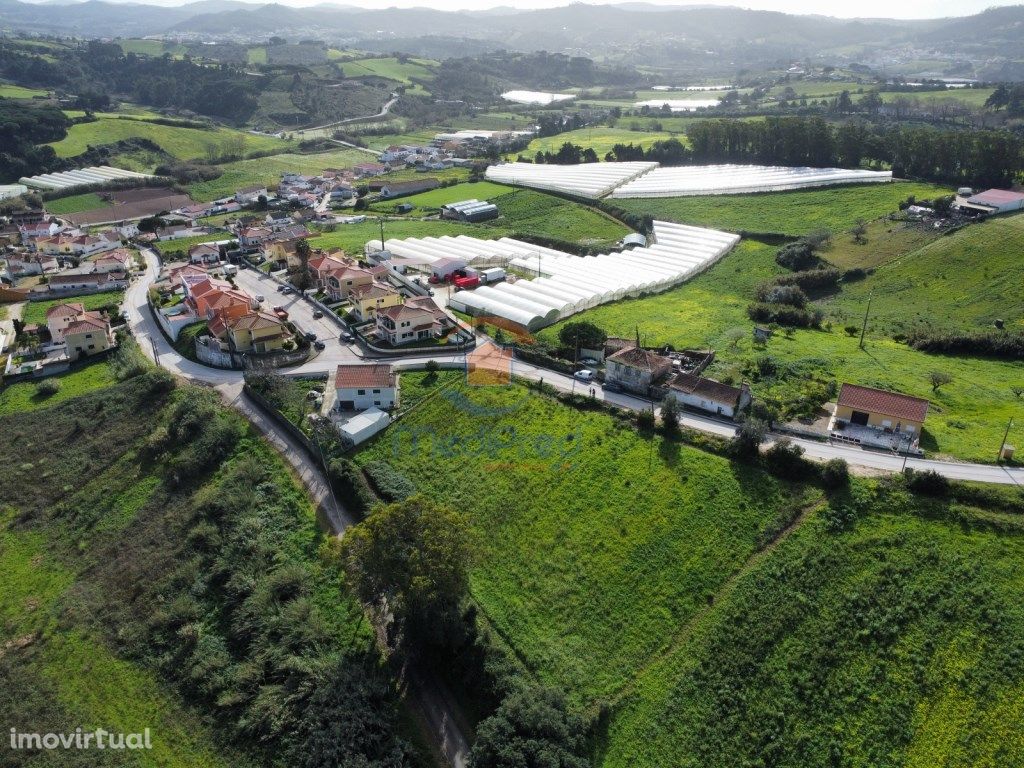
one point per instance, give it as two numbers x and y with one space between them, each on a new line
709 395
248 195
360 386
204 253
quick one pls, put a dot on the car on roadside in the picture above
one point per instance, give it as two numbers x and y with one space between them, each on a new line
286 290
319 345
280 289
584 374
260 298
588 361
317 314
346 336
310 336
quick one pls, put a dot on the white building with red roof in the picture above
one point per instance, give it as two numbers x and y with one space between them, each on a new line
365 385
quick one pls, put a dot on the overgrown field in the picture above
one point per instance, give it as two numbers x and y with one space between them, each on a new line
789 213
596 545
600 139
162 569
529 212
182 143
25 395
894 641
967 417
268 170
35 311
75 203
174 250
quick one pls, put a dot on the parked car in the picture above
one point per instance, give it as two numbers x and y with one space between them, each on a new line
346 336
260 298
281 312
584 374
286 290
280 289
612 386
310 336
588 361
319 345
317 314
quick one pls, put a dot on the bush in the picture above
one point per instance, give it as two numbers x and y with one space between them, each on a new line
645 420
670 419
783 314
796 256
820 279
786 460
48 388
835 473
746 444
1004 345
390 484
350 485
927 482
839 517
772 293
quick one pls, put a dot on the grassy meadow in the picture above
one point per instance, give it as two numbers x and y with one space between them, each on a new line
431 202
596 545
8 91
182 143
407 73
24 395
75 203
35 311
789 213
600 139
529 212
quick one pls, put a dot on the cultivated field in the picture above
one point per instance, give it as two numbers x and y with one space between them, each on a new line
76 203
352 237
392 69
601 140
789 213
528 212
597 545
431 202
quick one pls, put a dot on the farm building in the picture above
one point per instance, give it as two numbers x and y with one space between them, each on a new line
709 395
443 268
878 417
635 369
994 201
395 189
469 211
361 386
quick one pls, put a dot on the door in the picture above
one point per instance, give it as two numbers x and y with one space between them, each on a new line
859 417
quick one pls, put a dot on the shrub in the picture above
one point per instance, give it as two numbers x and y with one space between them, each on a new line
796 256
784 314
786 460
835 473
645 420
1005 345
350 485
771 293
432 366
670 419
48 388
390 484
839 517
746 444
823 278
927 482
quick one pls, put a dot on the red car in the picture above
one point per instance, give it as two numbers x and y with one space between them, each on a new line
467 282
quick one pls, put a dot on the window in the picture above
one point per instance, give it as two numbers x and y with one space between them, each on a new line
376 391
360 391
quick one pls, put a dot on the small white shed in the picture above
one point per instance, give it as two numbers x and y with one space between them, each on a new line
365 425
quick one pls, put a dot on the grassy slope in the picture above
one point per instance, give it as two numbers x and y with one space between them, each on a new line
182 143
596 544
969 278
352 237
893 644
391 68
529 212
435 198
75 203
268 170
967 417
790 213
35 311
17 92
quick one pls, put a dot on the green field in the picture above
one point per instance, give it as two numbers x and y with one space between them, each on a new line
972 97
23 396
601 140
182 143
529 212
967 417
819 90
153 48
35 311
893 643
967 279
268 170
433 200
17 92
790 213
597 545
352 237
392 69
174 249
76 203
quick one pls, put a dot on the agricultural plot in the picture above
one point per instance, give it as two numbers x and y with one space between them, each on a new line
352 237
883 644
410 73
24 396
600 139
972 97
153 48
678 105
431 202
76 203
819 90
790 213
534 213
597 545
268 170
740 179
967 417
17 92
182 143
536 98
177 249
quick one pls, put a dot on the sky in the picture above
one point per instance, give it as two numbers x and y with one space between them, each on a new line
906 9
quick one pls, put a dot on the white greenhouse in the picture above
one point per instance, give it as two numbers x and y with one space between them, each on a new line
82 177
536 97
679 105
692 180
585 179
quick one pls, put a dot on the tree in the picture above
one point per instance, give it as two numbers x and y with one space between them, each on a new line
303 278
734 336
531 727
859 232
582 335
670 418
939 379
747 442
411 560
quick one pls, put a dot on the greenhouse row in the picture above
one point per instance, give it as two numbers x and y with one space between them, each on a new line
683 181
79 178
566 284
585 180
536 97
679 105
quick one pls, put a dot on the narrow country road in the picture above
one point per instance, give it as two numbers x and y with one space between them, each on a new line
383 113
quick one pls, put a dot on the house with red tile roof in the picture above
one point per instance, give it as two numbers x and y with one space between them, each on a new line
878 417
417 319
365 385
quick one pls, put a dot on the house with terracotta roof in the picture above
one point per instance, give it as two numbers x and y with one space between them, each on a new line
257 332
254 237
418 319
88 335
204 253
635 369
878 417
701 393
365 385
367 300
22 263
118 260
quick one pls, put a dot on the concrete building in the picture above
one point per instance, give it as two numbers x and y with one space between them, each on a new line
360 386
700 393
636 370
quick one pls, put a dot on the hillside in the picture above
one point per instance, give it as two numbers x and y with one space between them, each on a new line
164 570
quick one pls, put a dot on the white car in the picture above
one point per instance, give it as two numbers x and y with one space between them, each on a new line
584 375
260 298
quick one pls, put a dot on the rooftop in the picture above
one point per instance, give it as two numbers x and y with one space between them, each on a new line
374 375
893 404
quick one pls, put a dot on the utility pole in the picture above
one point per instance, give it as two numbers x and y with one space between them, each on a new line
864 327
1002 445
380 220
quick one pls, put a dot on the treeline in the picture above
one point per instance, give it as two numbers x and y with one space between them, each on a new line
982 158
97 68
23 132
